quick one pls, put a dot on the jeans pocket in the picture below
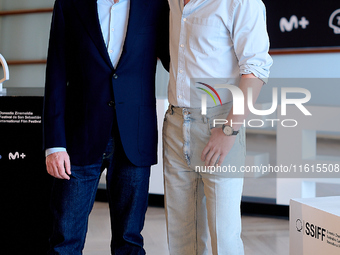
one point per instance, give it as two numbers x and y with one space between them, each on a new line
217 121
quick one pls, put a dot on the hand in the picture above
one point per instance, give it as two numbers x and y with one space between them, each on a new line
219 145
58 165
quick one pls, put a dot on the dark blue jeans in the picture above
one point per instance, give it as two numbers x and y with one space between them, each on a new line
72 201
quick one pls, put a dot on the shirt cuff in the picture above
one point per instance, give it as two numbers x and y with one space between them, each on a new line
53 150
259 72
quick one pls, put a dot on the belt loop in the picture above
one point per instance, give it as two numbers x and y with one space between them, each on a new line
171 108
186 113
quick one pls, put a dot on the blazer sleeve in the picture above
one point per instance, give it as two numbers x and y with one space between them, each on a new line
163 37
56 83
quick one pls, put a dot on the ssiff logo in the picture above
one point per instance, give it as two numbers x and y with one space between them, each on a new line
311 230
298 225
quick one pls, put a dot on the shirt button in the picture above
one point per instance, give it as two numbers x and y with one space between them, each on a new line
115 76
181 71
110 51
182 45
112 29
180 96
111 103
184 19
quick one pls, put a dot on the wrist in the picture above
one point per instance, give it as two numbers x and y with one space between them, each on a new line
229 130
50 151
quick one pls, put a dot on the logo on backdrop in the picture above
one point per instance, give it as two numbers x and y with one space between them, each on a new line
5 70
293 23
298 225
334 21
312 230
16 155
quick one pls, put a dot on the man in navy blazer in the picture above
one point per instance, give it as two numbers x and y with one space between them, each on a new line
100 112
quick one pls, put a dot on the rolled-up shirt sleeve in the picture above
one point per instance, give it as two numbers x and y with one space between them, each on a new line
250 38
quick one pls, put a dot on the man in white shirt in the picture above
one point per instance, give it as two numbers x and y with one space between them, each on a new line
100 113
211 43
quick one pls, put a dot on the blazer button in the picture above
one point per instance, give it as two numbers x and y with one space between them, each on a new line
111 103
115 76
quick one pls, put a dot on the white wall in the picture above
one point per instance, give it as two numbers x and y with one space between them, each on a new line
321 65
25 4
25 37
319 73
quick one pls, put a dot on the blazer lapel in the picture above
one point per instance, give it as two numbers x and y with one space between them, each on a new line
88 13
138 12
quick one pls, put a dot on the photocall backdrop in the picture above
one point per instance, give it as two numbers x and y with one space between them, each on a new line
303 24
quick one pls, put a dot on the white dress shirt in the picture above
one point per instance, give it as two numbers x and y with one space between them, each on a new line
113 19
215 42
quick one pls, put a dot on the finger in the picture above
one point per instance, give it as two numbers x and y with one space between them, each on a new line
51 170
204 152
214 159
56 174
68 166
208 158
62 174
61 170
220 161
48 168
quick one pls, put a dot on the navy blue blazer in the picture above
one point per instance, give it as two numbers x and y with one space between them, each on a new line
81 82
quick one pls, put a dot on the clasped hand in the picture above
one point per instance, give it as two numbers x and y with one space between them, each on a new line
58 165
217 148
